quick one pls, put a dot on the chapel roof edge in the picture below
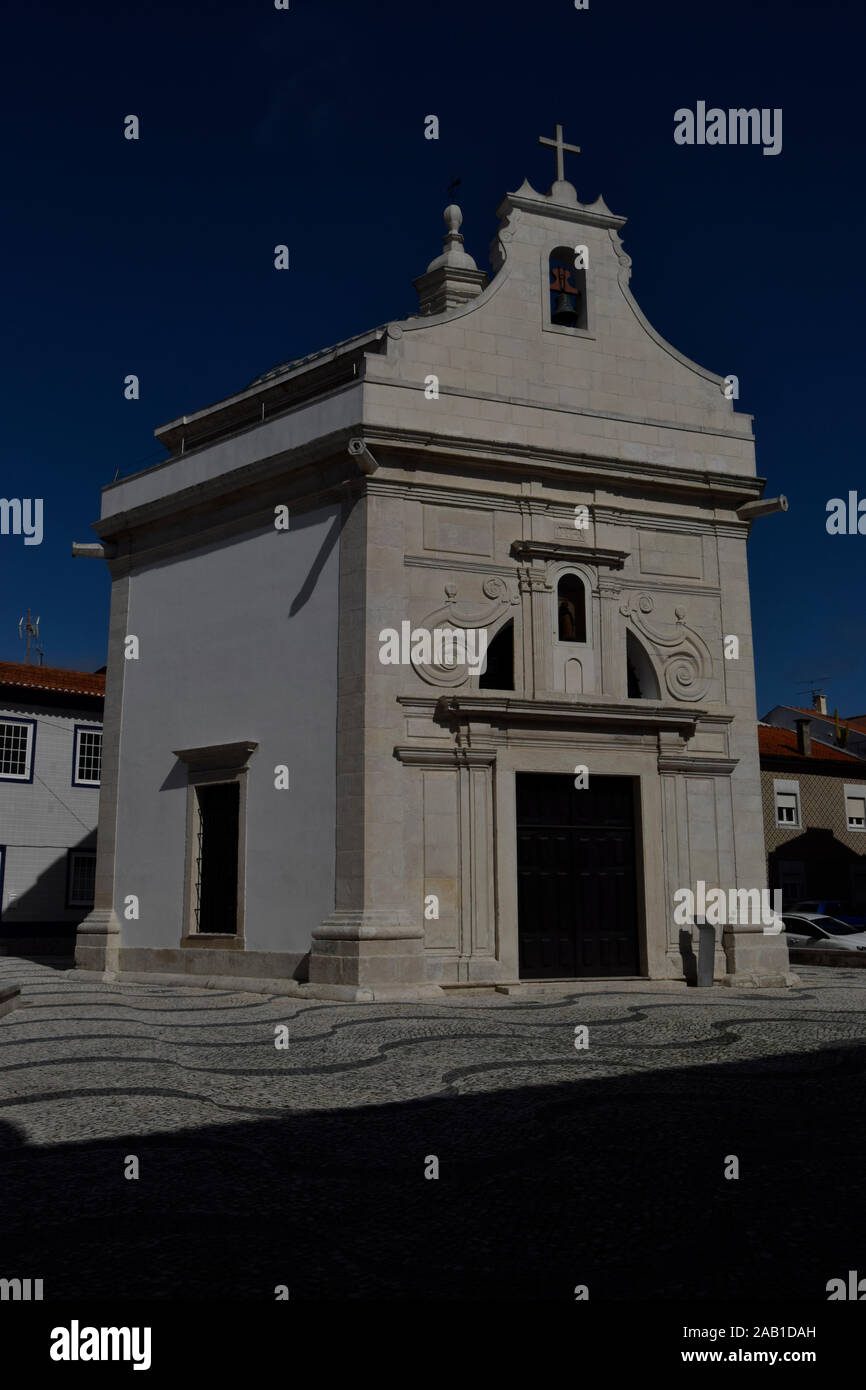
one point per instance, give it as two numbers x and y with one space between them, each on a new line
560 203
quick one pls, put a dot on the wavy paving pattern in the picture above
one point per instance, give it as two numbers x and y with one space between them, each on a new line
305 1166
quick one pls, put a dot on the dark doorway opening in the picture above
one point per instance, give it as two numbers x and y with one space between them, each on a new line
217 859
576 877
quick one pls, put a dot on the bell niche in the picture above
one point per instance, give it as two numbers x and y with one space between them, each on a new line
567 289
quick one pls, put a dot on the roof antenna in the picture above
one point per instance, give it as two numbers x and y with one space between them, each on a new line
819 696
31 629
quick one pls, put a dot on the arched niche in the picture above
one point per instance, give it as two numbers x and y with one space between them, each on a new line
573 676
643 683
567 290
573 625
498 674
571 608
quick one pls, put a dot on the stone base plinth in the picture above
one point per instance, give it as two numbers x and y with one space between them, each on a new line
97 941
10 997
363 950
786 980
757 959
375 994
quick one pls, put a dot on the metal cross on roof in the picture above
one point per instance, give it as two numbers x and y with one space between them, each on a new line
560 146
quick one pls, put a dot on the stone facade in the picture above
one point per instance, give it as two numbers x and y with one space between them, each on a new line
432 470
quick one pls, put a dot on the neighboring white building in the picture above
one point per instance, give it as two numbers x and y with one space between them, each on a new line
525 457
50 760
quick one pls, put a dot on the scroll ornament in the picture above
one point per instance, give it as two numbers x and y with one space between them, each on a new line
687 665
622 256
454 615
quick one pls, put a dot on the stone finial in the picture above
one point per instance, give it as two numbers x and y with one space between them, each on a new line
453 277
451 252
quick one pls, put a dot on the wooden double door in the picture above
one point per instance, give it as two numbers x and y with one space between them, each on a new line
576 877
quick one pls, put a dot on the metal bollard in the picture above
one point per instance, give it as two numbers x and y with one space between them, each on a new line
706 955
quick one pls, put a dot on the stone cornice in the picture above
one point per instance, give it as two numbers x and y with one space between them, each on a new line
419 704
697 765
302 381
217 755
592 215
652 521
448 562
408 488
560 512
636 715
298 474
283 460
251 483
653 422
445 757
712 489
561 550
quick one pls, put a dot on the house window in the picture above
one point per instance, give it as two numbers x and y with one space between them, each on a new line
786 809
215 882
855 807
17 737
567 290
81 878
87 756
571 609
787 799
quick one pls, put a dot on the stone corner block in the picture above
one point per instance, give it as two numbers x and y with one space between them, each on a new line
97 941
782 979
368 951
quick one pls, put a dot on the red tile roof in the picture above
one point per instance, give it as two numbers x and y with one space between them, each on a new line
857 721
815 713
18 673
782 743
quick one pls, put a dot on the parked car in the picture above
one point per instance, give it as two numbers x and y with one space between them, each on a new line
832 907
817 931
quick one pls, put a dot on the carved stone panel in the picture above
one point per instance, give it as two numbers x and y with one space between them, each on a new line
675 555
442 858
460 530
448 670
679 653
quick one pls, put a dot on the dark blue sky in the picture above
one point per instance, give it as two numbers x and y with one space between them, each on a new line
306 126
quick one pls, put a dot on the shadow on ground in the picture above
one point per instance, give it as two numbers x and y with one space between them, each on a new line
615 1183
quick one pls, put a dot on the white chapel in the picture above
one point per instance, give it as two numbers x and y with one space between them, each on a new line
523 461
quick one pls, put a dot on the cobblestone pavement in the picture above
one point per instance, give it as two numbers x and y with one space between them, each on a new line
558 1166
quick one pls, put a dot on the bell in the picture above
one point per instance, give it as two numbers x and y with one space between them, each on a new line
564 311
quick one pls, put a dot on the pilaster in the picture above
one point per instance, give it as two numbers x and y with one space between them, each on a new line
372 944
97 942
535 601
614 672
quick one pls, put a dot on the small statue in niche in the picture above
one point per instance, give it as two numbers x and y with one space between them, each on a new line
567 621
571 609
